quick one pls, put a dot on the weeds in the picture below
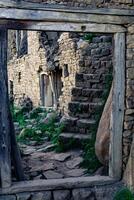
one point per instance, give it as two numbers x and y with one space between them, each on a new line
37 130
89 37
124 194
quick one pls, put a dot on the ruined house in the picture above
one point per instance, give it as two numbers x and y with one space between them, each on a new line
117 18
63 71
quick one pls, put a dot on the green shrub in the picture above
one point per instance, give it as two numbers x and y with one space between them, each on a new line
18 116
40 129
90 160
124 194
88 37
34 114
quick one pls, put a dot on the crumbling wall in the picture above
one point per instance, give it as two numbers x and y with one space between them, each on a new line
89 3
128 139
24 71
79 60
69 63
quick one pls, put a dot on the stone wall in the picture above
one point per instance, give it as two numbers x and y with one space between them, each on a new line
129 109
95 191
69 63
129 103
67 53
24 71
83 59
90 3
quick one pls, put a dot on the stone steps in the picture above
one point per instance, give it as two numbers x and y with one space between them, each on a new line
75 125
91 93
93 70
90 84
92 77
86 99
81 77
90 81
77 140
85 123
81 108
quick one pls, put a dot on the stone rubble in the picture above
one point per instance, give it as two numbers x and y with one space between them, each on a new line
51 165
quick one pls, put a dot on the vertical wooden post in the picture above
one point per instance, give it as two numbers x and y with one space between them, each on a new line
115 164
5 145
15 152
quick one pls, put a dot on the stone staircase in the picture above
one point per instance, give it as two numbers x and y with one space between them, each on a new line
88 92
86 100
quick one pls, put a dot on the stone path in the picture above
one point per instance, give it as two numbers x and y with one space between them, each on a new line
40 163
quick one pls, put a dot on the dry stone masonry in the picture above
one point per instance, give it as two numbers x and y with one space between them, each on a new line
90 3
23 72
75 84
129 111
84 88
78 68
90 193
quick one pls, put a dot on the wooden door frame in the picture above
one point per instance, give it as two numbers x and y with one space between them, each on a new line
38 17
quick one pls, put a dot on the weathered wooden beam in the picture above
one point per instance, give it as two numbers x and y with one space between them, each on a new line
115 163
19 14
62 8
15 153
11 149
66 27
5 145
75 27
57 184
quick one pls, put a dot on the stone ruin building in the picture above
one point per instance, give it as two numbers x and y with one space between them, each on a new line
42 64
63 71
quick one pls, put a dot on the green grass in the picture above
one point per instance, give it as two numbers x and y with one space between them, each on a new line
124 194
34 114
18 116
39 129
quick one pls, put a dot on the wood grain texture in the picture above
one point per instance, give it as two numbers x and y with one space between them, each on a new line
20 14
5 150
63 26
57 184
115 165
52 7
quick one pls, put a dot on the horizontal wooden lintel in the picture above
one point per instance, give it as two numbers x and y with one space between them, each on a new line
57 184
20 12
52 7
63 26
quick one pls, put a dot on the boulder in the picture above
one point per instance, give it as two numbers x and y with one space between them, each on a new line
49 117
103 132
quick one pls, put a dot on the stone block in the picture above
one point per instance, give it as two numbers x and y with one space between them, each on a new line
7 197
131 29
83 194
96 40
130 54
52 175
42 196
24 196
130 73
130 43
62 195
